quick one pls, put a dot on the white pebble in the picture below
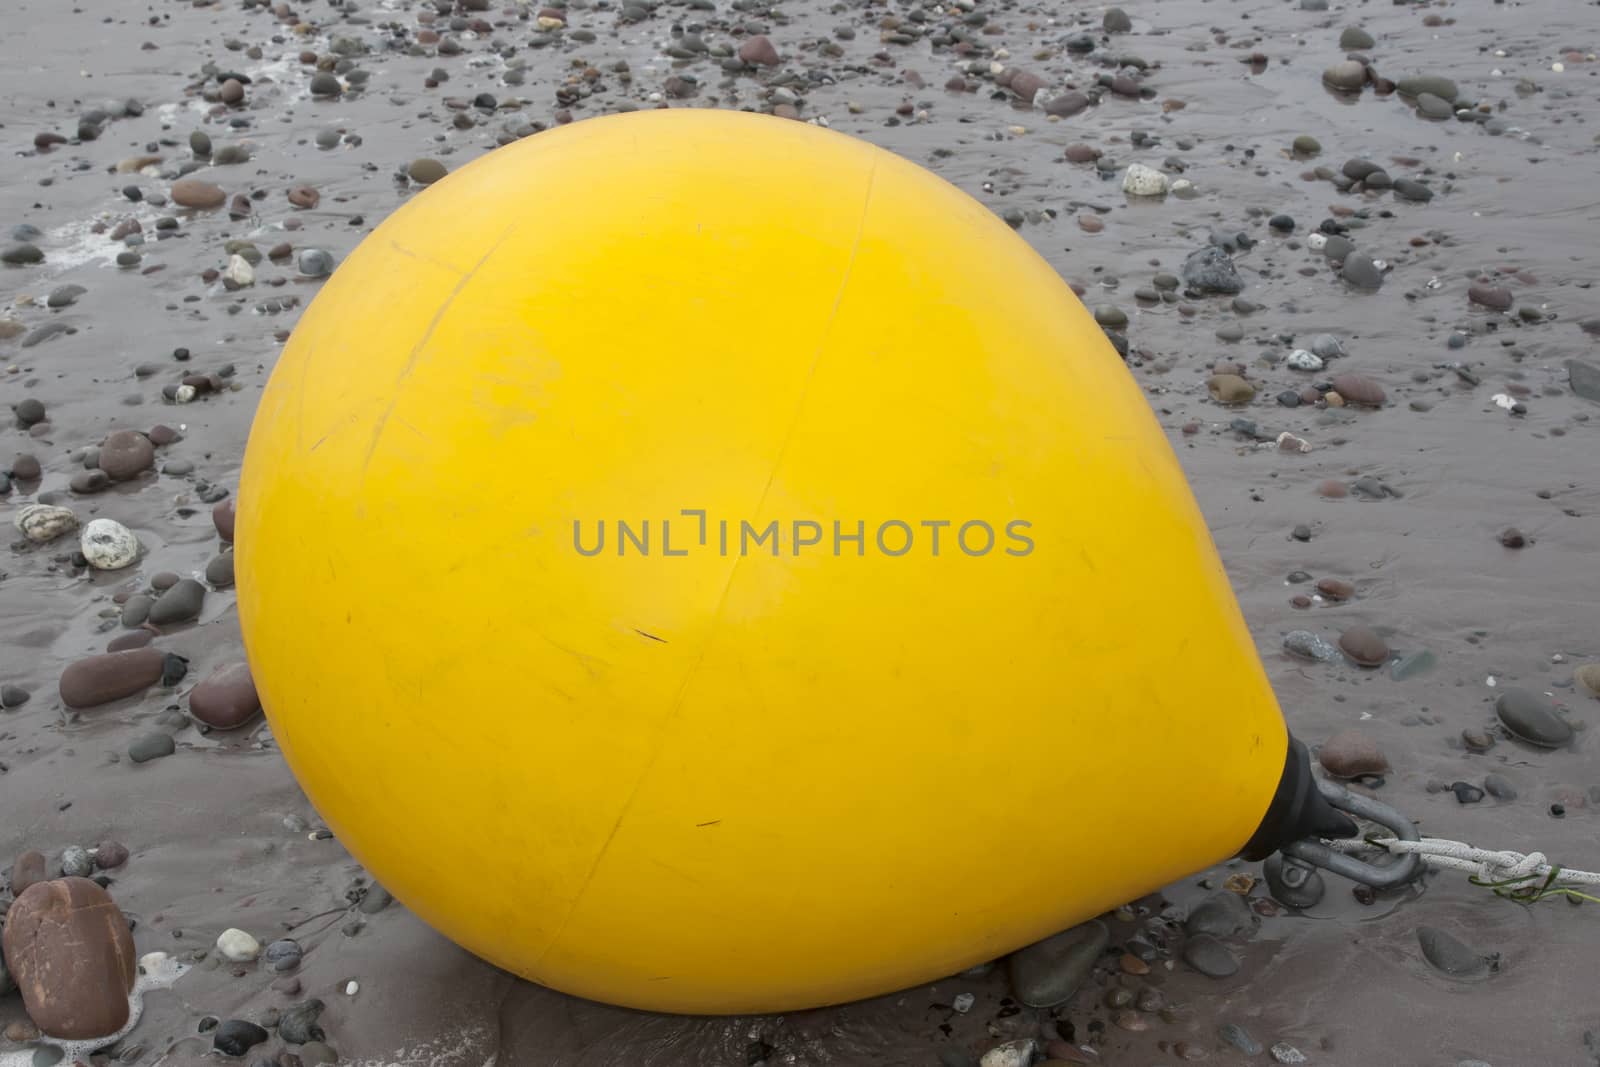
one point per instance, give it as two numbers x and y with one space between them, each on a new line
1558 658
963 1002
1017 1053
1141 180
108 545
239 272
238 946
1300 359
1317 241
1490 682
183 394
1184 189
1504 400
1558 67
1288 442
351 988
43 523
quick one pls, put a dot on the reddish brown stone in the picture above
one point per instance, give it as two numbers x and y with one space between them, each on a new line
130 640
226 699
222 518
1358 390
28 869
304 196
110 676
69 949
126 454
1365 648
1351 754
1335 589
109 855
194 193
758 50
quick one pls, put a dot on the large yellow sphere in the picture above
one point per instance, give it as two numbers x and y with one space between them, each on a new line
800 766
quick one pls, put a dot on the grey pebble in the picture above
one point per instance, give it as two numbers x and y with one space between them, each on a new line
76 862
136 610
1532 718
376 899
1283 1052
1448 954
1210 957
64 296
282 955
1047 973
151 746
1239 1038
219 572
21 254
180 603
1211 270
299 1023
315 263
1222 914
1584 379
1499 788
1360 271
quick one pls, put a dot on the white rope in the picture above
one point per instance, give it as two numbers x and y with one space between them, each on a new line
1487 864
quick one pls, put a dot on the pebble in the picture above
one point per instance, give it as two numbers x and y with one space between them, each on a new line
219 571
1230 389
1292 883
1584 379
13 697
222 518
1364 647
1358 390
1302 360
70 952
298 1025
1284 1052
197 194
1222 914
147 747
1140 180
21 254
238 274
315 263
425 171
181 603
1351 754
76 862
1210 957
1531 717
1361 271
28 868
1239 1038
109 855
43 523
1466 792
1305 145
1443 88
238 946
282 955
758 50
108 545
1211 270
226 699
1415 191
111 676
1309 646
64 296
1497 297
1498 787
1356 39
325 84
1433 107
1047 973
1588 676
1451 956
1348 76
236 1037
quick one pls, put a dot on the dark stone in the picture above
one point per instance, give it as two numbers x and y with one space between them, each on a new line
226 699
236 1037
283 955
110 676
1360 271
1466 793
181 603
1222 914
1211 270
1047 973
299 1023
1532 718
1449 955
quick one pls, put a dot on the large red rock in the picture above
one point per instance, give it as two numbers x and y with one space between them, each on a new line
69 950
227 698
110 676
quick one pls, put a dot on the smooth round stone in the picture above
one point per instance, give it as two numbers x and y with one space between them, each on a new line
1210 957
1047 973
1355 39
1531 717
1358 390
181 603
1497 786
226 699
64 296
108 545
1306 145
70 952
325 84
1239 1038
1335 588
1351 754
1466 792
1446 953
1407 189
21 254
86 483
1230 332
200 144
151 746
1116 20
1443 88
426 171
1496 297
13 697
219 572
237 945
1292 883
1110 315
197 194
1364 647
1360 271
1327 346
236 1037
315 263
282 955
1222 914
1348 76
1433 107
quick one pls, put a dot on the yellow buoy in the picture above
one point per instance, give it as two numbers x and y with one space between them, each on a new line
706 563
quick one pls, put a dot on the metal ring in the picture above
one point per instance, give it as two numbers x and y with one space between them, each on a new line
1320 855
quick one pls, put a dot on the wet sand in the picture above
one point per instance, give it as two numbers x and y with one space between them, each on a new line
1345 983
